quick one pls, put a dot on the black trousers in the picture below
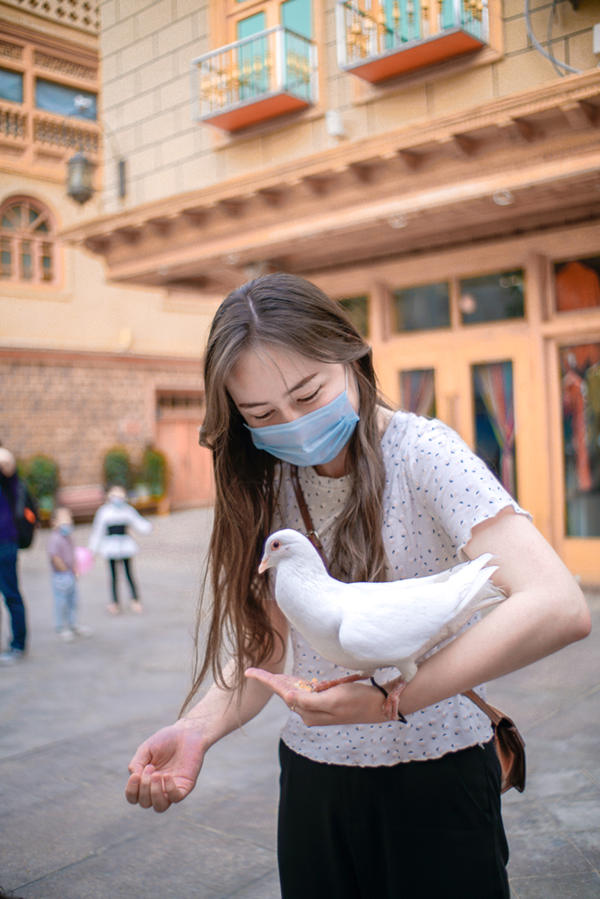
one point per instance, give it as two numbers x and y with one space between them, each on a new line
419 830
129 575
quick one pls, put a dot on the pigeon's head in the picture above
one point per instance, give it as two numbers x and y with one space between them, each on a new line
283 545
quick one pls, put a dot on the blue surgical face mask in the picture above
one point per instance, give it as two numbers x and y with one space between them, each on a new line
66 529
312 439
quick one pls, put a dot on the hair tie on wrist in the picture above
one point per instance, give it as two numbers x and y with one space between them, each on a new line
385 693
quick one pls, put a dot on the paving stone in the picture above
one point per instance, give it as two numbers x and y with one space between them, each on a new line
588 843
575 784
545 853
256 816
265 888
579 886
577 814
166 857
527 817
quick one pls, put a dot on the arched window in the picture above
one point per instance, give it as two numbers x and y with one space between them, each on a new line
27 242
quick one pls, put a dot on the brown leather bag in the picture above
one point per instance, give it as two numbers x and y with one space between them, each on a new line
510 745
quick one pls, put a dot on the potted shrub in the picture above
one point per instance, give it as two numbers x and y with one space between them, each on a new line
40 473
153 472
117 467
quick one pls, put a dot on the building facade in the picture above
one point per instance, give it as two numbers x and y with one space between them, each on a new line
432 165
84 364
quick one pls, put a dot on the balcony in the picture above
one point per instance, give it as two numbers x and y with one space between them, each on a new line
36 140
388 39
255 79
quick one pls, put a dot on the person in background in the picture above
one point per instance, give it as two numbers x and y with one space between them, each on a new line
9 581
61 553
109 538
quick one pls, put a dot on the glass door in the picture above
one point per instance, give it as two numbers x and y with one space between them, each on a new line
580 419
494 419
478 397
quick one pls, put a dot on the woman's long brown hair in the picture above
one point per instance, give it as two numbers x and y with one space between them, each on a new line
289 312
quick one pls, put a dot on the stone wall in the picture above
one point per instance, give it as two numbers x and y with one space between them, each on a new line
74 407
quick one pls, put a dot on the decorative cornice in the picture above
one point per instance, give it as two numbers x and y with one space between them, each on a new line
575 98
24 355
427 186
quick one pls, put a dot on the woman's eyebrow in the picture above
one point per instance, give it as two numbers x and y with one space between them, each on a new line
300 383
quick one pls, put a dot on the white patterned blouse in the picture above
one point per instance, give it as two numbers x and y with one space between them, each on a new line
436 491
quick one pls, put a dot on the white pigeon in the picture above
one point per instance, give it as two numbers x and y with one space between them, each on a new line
364 626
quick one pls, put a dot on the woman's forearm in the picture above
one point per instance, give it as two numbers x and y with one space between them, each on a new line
222 711
507 639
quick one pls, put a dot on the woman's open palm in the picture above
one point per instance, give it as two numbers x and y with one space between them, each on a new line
165 767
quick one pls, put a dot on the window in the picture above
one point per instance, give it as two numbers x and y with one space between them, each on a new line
48 107
577 284
187 404
417 391
11 86
490 298
63 100
422 308
250 16
27 242
580 381
357 310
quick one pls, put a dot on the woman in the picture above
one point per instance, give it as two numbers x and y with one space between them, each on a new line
368 807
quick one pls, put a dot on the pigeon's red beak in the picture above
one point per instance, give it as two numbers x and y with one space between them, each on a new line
265 563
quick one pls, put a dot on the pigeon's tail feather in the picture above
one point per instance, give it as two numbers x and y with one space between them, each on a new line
475 577
490 597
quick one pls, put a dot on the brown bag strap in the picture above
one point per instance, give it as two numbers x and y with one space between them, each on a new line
493 714
311 533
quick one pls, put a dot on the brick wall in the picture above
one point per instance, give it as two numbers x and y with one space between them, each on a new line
73 407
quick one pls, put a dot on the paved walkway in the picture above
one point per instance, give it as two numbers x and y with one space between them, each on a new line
72 715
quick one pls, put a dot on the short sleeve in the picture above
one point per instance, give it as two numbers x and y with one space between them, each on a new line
451 484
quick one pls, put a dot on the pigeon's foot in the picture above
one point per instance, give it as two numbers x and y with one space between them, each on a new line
391 708
317 686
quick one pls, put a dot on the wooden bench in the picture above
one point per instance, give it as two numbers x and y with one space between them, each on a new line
83 501
146 504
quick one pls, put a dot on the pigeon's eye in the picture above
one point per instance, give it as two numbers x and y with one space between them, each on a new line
275 544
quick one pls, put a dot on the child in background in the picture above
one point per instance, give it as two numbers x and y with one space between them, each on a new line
110 539
61 553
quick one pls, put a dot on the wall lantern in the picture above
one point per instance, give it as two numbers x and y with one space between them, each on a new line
80 169
80 173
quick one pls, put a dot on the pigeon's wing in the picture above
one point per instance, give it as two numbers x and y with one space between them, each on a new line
381 624
490 597
396 620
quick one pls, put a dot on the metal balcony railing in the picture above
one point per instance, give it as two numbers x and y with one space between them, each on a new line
264 75
377 40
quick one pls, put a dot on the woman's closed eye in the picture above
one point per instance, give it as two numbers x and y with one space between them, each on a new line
263 416
312 396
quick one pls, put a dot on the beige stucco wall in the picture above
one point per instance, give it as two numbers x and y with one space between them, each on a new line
82 311
147 47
